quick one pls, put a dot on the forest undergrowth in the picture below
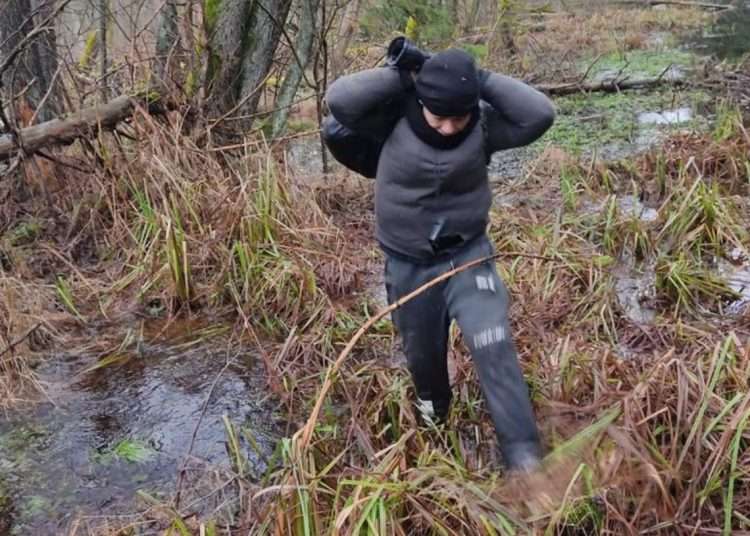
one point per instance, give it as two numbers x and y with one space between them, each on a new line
646 423
644 420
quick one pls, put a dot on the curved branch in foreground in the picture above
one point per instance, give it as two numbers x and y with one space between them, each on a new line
303 436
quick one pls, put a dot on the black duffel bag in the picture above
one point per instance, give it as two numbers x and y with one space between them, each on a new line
356 152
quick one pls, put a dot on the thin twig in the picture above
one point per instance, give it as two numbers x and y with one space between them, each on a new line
262 142
183 469
18 341
289 42
56 160
591 66
239 104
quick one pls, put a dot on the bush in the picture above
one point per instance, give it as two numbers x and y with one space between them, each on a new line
434 22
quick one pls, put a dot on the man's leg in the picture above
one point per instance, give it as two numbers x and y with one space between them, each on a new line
478 300
423 326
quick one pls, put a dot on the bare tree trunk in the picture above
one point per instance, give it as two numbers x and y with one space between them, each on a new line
321 61
303 47
471 16
503 42
261 38
29 84
167 40
103 43
225 21
347 28
243 36
46 48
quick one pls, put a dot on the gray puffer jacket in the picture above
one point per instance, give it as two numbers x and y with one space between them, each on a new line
423 193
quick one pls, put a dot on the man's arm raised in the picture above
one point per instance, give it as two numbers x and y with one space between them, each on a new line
368 102
515 114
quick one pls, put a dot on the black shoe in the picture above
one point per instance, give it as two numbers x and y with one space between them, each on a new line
522 457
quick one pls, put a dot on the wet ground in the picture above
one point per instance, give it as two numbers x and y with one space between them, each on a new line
126 427
106 434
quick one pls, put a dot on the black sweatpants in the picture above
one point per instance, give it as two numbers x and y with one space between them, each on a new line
478 300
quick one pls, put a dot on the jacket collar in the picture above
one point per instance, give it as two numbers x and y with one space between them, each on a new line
422 129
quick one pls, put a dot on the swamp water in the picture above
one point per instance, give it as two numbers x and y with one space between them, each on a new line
125 429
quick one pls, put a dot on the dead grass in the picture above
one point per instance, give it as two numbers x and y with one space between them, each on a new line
645 424
166 228
553 46
27 324
655 441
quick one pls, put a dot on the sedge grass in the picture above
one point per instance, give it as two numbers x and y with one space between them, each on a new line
655 441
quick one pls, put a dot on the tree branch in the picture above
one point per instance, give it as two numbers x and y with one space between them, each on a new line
64 131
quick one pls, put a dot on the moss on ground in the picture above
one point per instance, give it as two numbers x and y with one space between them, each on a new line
588 121
129 450
642 63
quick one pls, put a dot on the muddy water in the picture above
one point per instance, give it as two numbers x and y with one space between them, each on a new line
106 434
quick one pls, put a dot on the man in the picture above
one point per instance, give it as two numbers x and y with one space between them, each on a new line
432 200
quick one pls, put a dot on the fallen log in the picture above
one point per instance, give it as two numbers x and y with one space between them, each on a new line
608 86
86 122
680 3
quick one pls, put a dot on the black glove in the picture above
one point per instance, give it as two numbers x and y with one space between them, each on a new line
405 55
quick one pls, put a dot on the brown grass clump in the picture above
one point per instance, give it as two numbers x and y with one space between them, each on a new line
646 423
165 227
24 324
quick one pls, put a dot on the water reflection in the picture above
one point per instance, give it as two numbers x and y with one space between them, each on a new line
73 457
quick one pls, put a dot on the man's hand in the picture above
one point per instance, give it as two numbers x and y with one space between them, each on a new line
405 55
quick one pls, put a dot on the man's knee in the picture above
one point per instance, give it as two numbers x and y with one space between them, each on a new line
482 337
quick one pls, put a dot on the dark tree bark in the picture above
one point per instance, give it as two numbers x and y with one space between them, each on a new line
167 40
243 36
30 88
103 44
225 21
262 38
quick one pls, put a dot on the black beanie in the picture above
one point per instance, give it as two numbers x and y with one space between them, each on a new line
448 83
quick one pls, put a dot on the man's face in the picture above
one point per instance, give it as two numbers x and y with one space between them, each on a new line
446 125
